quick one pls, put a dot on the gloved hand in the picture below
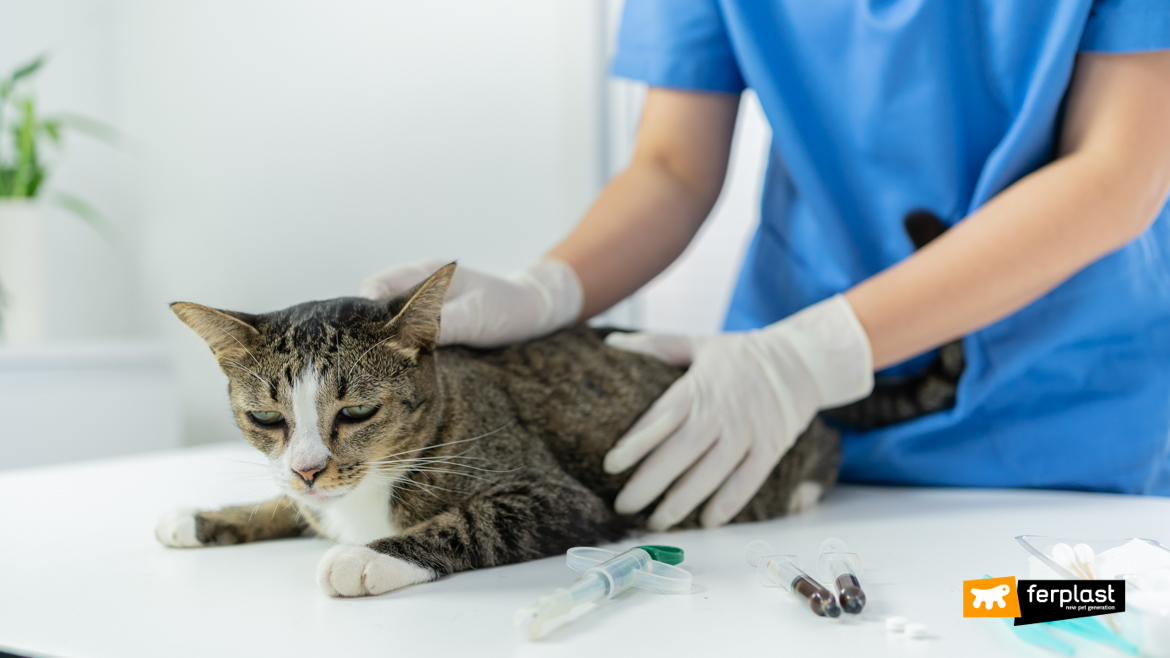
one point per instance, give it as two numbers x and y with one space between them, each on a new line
484 310
727 422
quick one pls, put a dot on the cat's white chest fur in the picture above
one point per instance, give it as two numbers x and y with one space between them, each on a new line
361 516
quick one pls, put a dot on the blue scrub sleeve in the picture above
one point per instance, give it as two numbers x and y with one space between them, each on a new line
677 43
1127 26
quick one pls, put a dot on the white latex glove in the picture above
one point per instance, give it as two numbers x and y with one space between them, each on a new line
484 310
726 423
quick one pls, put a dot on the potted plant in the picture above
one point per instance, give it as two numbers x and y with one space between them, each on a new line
24 134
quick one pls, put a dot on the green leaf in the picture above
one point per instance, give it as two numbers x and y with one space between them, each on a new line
52 128
7 179
34 183
86 213
28 69
98 130
28 169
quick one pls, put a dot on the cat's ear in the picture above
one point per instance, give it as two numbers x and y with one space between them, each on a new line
416 311
227 333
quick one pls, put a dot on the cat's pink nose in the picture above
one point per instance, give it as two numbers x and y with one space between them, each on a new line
309 474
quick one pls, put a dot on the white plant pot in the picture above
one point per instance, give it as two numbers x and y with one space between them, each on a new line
22 271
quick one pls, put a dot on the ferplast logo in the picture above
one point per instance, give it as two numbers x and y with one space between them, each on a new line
991 597
1038 601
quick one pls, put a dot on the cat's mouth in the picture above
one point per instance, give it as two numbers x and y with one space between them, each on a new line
322 495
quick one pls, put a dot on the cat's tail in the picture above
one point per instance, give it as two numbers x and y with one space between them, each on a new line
899 399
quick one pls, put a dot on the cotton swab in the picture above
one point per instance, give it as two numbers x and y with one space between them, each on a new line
1085 557
1065 556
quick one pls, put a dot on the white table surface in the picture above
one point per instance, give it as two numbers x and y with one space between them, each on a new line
82 575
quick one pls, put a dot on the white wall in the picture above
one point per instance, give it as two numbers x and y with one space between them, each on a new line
288 148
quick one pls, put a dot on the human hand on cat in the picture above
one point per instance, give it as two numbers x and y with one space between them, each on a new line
484 310
723 426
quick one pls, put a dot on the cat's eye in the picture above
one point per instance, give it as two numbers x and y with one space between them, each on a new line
266 417
359 412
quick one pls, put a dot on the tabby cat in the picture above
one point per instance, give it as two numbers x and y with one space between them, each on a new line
422 461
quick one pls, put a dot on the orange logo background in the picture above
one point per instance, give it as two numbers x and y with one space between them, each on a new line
990 591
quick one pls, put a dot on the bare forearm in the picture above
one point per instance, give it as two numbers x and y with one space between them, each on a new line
1018 247
639 224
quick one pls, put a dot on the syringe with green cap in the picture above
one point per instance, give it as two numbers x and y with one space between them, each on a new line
778 570
844 568
607 573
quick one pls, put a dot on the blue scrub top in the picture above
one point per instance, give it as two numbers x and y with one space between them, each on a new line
882 107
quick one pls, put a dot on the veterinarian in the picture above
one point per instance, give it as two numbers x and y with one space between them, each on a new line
1040 130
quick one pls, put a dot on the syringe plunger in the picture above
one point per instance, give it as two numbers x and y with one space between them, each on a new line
843 567
605 574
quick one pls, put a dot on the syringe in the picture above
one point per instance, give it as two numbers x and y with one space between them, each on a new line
606 574
776 570
843 567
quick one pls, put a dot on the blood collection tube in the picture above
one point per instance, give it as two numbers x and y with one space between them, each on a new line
843 568
776 570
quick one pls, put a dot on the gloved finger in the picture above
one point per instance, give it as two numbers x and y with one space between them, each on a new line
394 280
674 349
697 484
739 488
462 318
663 466
666 415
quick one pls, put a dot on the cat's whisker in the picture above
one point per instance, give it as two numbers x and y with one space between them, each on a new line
467 466
462 455
359 359
233 337
247 370
419 487
395 489
394 497
438 460
412 481
429 457
439 470
474 468
397 496
451 443
432 466
458 455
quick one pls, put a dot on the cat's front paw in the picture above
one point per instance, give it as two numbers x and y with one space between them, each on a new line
177 528
805 496
360 571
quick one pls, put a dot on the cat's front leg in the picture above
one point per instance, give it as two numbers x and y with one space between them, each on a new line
190 528
513 524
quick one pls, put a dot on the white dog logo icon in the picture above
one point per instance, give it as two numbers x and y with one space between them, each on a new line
990 596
